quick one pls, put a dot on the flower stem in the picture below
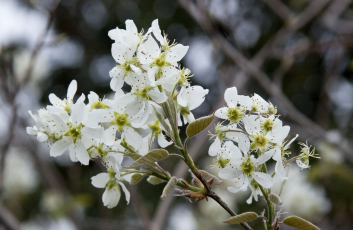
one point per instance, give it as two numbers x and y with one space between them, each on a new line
188 160
269 208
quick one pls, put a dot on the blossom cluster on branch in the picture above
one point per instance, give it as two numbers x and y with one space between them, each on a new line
161 99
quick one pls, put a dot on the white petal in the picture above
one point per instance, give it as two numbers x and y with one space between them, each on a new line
215 147
72 90
131 27
59 147
182 101
78 113
54 100
127 193
117 82
132 137
279 134
117 51
264 157
242 140
111 197
188 118
229 94
252 124
279 169
234 150
100 180
81 153
157 96
101 115
229 173
93 97
109 135
152 47
93 133
176 53
263 179
41 137
222 113
162 141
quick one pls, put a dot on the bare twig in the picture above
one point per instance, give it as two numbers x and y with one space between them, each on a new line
8 220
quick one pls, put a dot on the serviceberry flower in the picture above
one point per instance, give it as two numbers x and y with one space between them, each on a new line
305 153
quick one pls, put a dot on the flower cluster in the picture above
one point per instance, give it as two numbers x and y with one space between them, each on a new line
150 65
253 134
161 99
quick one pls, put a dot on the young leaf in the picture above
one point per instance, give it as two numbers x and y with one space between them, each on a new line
275 199
299 223
241 218
209 176
136 178
169 187
161 119
154 180
150 158
198 125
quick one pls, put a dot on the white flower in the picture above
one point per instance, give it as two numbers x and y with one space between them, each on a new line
126 68
244 169
255 191
190 98
305 153
41 130
129 37
259 104
158 34
112 193
264 132
121 118
155 61
236 106
63 107
76 136
157 133
230 132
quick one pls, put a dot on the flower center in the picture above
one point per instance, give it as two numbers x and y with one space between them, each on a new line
99 105
235 115
248 167
143 93
267 126
74 133
155 128
222 162
185 110
160 62
121 120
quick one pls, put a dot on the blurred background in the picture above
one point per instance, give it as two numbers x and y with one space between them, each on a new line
296 53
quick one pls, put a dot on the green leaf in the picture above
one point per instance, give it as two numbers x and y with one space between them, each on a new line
198 125
150 158
241 218
133 156
275 199
154 180
169 187
163 123
209 176
299 223
137 177
171 113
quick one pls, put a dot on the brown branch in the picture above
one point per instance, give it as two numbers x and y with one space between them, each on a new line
279 8
8 220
